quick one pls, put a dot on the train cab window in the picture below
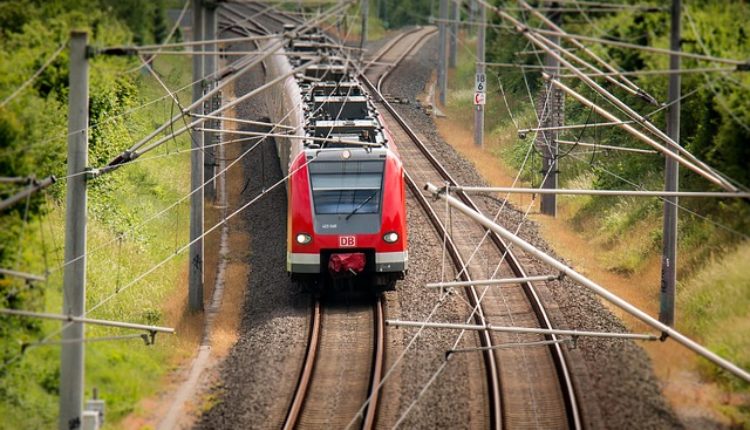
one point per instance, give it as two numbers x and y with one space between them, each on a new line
346 188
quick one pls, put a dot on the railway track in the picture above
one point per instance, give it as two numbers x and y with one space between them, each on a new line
342 368
527 387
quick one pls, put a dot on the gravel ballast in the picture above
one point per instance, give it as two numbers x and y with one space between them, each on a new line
619 388
257 378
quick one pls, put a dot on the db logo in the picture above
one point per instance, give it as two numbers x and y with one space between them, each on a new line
347 241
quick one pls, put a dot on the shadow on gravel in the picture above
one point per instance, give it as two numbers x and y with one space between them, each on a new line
253 385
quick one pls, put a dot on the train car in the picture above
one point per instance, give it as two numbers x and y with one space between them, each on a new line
346 221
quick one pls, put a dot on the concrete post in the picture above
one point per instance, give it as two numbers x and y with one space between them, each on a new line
455 16
671 180
74 280
209 162
478 108
442 78
551 113
365 16
195 274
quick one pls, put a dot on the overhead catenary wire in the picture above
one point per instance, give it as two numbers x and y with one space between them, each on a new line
627 84
238 72
702 168
741 64
614 148
441 300
431 378
156 215
35 75
182 249
642 137
709 81
596 288
171 33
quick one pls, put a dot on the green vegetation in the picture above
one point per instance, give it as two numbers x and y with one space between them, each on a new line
713 297
123 240
714 306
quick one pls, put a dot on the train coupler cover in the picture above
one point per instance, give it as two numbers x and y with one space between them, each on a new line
349 263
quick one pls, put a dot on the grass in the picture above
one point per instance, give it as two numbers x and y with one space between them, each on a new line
715 306
123 371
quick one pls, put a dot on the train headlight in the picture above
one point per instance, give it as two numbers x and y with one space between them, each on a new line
391 237
346 154
304 238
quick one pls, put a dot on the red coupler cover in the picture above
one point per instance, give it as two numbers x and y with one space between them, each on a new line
343 263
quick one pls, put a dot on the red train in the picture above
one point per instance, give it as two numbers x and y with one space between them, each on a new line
346 195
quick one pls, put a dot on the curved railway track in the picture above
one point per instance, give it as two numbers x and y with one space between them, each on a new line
528 387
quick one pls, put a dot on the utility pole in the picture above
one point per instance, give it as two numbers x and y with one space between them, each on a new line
74 280
671 180
551 115
209 163
365 16
455 16
442 61
195 274
480 78
473 6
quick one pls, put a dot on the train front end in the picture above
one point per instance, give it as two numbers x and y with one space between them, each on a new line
347 220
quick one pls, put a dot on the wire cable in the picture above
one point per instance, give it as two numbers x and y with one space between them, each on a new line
35 75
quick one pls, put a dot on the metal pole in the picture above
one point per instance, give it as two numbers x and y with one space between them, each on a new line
520 330
74 278
31 189
632 193
365 15
478 107
442 78
671 180
455 16
593 286
486 282
209 69
195 276
76 319
551 115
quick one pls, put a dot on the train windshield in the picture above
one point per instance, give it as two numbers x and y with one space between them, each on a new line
347 187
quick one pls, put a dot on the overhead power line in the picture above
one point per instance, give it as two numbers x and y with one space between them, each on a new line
542 42
35 75
743 65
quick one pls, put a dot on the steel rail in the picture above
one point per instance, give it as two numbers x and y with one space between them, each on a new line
491 366
558 354
311 356
377 366
425 33
493 375
298 400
